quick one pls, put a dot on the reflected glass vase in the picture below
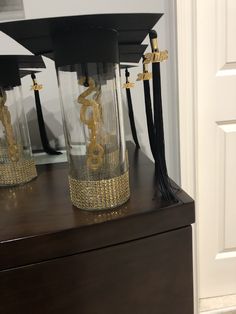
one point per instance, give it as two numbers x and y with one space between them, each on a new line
16 163
94 129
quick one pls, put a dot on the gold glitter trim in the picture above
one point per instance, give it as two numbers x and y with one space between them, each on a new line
101 194
18 172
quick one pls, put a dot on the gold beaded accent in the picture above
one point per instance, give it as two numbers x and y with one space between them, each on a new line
100 194
19 172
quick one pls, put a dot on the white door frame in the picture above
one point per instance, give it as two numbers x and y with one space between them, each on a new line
186 35
186 47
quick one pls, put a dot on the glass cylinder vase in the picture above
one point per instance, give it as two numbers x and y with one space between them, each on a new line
16 163
93 121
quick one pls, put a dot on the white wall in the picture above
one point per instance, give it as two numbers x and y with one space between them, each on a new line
11 9
49 96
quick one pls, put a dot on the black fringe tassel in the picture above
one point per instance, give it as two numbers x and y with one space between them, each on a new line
42 130
131 112
160 160
149 117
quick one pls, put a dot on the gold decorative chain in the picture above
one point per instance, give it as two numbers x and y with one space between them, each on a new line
95 150
5 118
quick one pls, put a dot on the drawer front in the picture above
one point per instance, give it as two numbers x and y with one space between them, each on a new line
148 276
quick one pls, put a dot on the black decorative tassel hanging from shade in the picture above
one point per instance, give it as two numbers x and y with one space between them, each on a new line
145 77
127 87
42 129
155 119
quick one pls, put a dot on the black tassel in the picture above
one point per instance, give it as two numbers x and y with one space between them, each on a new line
149 117
160 160
131 112
42 130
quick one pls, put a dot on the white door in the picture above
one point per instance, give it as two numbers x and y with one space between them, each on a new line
214 139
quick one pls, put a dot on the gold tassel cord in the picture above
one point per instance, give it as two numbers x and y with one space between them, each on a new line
5 118
95 150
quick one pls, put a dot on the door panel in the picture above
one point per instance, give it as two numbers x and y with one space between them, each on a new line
226 174
230 11
216 145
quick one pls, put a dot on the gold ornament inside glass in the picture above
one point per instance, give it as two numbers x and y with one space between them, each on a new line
93 122
16 163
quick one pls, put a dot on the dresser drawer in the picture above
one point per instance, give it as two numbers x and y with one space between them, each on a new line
146 276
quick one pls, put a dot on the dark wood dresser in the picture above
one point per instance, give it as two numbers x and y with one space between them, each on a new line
57 259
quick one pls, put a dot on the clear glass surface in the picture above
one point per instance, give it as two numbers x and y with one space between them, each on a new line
93 123
15 148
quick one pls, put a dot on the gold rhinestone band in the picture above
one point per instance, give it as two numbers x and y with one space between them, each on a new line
101 194
18 172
